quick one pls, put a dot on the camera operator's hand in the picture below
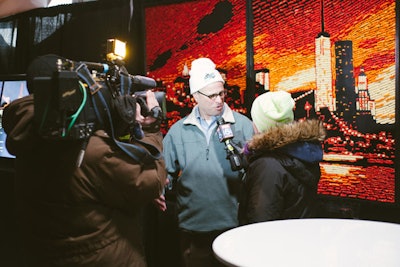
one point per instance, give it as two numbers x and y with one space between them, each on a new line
150 123
160 203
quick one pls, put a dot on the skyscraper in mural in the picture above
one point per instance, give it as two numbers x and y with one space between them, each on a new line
324 96
364 103
345 82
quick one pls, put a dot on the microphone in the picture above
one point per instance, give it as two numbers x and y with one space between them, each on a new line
224 130
225 134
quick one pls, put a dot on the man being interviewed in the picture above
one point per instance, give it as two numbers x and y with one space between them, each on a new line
206 185
283 171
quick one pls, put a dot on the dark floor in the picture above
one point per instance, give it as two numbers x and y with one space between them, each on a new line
161 228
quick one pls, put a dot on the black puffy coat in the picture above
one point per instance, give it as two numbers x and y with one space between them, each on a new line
283 173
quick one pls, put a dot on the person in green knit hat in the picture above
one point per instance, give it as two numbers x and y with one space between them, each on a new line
283 158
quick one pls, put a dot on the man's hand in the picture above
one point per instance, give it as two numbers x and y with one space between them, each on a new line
151 103
160 203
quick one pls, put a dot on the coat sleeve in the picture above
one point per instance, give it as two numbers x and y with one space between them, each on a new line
17 122
170 154
119 180
264 189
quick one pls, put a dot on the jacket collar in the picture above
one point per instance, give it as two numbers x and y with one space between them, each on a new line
192 117
300 140
286 134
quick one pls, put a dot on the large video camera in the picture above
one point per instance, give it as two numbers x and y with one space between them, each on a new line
72 99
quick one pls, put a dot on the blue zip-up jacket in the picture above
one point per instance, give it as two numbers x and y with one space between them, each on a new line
206 187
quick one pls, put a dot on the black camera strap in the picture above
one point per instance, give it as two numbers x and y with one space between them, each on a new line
146 154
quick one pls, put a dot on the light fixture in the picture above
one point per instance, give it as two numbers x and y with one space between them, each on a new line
116 49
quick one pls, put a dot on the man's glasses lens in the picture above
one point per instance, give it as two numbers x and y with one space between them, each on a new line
222 94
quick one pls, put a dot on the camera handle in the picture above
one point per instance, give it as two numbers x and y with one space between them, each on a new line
233 156
236 162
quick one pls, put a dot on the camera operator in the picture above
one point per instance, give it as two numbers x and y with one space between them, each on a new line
80 216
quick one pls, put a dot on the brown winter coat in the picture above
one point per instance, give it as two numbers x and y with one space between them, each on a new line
86 216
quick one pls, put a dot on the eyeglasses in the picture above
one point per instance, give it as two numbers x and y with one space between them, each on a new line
221 94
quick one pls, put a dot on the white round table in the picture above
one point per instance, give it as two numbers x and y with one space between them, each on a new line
311 242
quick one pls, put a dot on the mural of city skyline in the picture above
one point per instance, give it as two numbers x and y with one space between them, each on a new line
338 60
298 41
336 57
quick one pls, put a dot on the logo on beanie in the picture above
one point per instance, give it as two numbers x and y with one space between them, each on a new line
209 76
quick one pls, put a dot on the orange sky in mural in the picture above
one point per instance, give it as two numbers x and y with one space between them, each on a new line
370 29
284 37
174 28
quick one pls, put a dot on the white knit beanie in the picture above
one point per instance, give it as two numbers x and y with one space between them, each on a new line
203 73
272 108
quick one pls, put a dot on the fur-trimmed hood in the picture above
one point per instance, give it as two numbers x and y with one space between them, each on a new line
300 139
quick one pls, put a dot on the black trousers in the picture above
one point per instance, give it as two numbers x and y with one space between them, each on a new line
196 249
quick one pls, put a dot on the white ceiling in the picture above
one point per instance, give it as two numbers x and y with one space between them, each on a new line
59 2
12 7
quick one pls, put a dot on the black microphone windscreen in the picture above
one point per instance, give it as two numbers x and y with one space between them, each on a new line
42 66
